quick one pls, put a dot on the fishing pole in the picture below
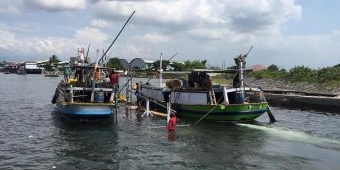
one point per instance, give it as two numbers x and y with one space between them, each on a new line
117 36
172 56
87 53
249 51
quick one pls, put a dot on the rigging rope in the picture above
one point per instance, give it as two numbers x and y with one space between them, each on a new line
208 112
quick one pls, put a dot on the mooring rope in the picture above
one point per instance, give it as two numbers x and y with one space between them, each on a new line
208 112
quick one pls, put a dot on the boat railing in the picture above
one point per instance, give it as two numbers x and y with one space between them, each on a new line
90 89
75 92
242 89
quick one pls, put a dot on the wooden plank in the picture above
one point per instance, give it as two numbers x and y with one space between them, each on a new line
159 113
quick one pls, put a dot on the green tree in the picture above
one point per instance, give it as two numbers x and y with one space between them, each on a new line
338 65
196 64
328 74
302 73
54 59
156 64
273 68
115 63
177 66
52 63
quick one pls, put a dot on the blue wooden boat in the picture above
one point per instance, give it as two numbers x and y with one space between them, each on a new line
90 95
85 98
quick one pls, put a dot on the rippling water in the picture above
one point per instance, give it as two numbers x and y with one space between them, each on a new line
34 136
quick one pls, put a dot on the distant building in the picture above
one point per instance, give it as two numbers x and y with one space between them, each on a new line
138 63
125 64
29 67
73 60
149 63
258 67
9 66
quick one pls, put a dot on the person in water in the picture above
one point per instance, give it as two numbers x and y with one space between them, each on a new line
171 128
172 122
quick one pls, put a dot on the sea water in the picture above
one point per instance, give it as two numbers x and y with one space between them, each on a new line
34 136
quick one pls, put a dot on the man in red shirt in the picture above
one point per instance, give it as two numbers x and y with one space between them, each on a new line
114 78
171 127
172 122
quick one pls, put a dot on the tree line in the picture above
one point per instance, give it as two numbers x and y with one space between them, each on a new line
166 65
327 75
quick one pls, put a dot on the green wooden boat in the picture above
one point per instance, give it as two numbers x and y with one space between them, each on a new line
199 99
216 104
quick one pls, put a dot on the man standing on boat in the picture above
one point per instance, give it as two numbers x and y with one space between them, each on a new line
97 74
138 95
79 74
114 78
67 72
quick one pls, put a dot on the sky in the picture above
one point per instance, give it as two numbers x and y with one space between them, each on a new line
286 33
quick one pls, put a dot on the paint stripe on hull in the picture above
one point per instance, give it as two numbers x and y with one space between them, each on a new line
241 112
83 110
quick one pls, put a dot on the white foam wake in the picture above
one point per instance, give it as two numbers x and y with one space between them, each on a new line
292 134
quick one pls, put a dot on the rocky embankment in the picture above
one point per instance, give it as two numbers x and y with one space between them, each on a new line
270 84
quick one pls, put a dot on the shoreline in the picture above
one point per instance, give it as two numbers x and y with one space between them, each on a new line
282 85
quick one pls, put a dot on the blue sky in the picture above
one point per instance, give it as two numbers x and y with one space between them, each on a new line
286 33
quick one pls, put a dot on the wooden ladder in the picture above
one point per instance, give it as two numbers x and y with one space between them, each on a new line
212 97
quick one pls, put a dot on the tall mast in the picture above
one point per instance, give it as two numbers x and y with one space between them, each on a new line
160 71
241 72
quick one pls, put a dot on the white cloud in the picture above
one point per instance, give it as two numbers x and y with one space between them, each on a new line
36 48
154 38
206 33
251 16
7 40
99 23
56 5
194 28
157 13
43 47
9 10
210 19
129 51
90 36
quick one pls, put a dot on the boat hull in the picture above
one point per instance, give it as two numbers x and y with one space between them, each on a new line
93 110
49 75
237 112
